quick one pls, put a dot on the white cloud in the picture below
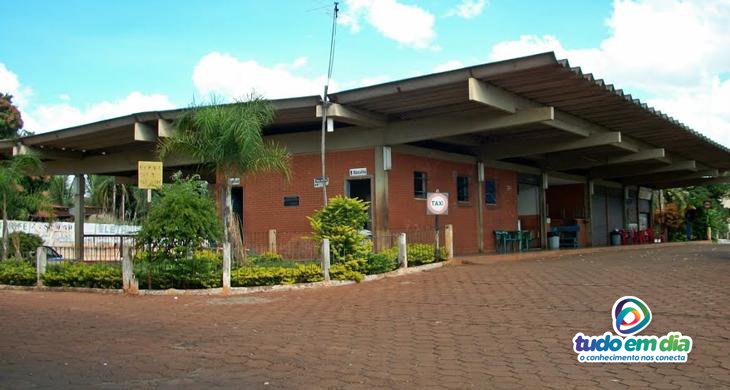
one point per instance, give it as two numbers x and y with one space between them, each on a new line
409 25
672 51
226 75
449 65
46 117
467 9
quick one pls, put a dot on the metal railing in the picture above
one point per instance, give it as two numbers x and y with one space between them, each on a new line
100 247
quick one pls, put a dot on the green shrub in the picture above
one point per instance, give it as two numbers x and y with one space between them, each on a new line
17 272
203 270
420 254
270 259
270 276
83 275
24 244
341 221
342 272
378 263
180 220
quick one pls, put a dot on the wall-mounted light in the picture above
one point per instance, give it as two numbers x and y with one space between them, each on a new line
480 171
330 125
387 158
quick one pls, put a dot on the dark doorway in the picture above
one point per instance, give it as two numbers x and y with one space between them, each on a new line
237 205
360 188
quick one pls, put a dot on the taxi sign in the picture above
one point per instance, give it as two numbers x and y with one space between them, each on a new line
437 203
149 174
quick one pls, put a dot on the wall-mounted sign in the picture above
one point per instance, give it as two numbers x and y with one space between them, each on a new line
149 174
234 181
358 172
644 193
320 181
437 203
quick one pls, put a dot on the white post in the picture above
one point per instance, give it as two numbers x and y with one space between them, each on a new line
272 240
129 282
40 264
402 251
449 241
226 268
326 259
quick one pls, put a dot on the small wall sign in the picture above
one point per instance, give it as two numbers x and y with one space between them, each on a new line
321 181
437 203
358 172
234 181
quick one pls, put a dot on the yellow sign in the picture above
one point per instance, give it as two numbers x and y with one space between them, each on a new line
150 174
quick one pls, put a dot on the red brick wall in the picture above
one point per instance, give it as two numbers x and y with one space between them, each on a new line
503 215
264 193
569 197
408 213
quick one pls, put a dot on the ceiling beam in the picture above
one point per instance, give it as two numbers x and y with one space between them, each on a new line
144 132
489 95
20 149
353 116
521 149
164 128
612 172
561 164
662 178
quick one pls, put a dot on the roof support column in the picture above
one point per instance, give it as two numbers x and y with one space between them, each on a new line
480 206
588 203
543 209
383 163
79 217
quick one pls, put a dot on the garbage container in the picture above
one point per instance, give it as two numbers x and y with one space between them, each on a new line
553 241
615 238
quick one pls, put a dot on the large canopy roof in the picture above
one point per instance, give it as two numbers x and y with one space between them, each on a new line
539 112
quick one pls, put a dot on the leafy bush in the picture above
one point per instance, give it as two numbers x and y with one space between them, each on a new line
83 275
341 222
343 272
419 254
271 259
270 276
203 270
24 244
378 263
181 220
17 272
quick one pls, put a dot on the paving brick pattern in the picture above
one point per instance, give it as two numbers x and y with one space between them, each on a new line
499 325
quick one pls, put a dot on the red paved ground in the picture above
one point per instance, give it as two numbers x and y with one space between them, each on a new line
506 325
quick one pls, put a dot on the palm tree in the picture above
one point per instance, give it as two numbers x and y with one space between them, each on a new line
12 172
60 191
101 191
228 138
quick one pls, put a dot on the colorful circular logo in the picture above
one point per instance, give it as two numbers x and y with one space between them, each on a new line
630 315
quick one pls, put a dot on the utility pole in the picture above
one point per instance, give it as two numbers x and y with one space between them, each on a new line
325 102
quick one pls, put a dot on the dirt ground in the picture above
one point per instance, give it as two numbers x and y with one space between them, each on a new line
500 325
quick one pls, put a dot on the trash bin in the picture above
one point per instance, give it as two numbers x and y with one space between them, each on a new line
553 241
615 238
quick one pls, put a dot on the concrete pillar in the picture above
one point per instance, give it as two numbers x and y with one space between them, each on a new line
449 241
326 259
79 213
272 240
543 209
40 264
380 200
589 210
402 250
480 207
129 282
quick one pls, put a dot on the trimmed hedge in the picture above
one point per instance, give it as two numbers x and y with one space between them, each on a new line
204 270
83 275
419 254
17 273
269 276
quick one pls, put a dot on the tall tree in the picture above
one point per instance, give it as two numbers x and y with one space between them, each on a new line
12 172
10 120
60 191
228 138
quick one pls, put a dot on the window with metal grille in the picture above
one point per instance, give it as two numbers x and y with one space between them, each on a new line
291 201
490 192
419 184
462 188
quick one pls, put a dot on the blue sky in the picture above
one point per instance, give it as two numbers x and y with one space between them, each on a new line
75 61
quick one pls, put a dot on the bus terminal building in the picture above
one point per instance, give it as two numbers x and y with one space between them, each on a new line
527 143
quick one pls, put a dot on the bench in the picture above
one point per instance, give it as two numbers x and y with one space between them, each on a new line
568 235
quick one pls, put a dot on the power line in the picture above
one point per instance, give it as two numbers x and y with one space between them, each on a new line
325 102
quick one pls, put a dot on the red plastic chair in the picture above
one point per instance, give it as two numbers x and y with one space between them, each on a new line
625 237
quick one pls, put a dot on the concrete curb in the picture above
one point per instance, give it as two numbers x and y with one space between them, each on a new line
234 290
547 254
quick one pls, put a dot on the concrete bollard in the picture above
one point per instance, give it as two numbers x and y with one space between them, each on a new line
41 258
402 251
226 268
272 240
129 282
326 259
449 242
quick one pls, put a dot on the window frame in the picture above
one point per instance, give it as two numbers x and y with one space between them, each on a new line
494 192
424 185
466 180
